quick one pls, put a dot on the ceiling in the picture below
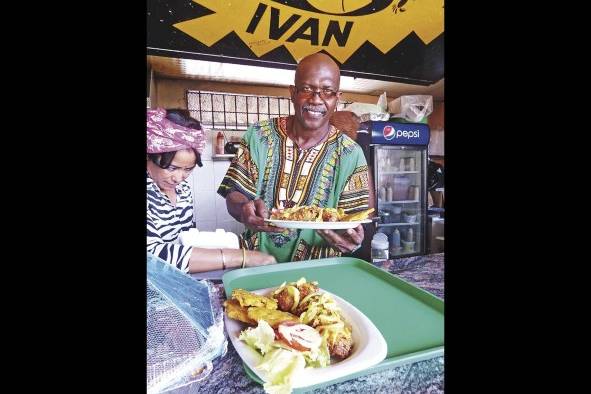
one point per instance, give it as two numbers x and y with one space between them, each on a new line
253 75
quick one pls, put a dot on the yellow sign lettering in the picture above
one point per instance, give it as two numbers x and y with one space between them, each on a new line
338 27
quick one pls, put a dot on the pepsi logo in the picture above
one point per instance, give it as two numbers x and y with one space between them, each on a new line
389 132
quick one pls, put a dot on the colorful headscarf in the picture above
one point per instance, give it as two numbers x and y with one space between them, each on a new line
164 135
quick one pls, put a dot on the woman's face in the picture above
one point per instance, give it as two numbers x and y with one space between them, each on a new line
180 168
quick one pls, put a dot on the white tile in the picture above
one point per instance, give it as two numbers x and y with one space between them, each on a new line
238 228
219 171
228 225
221 210
206 154
206 225
203 179
204 204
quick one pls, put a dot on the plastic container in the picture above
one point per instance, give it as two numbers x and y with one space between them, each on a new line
395 216
379 247
401 184
408 246
409 218
209 239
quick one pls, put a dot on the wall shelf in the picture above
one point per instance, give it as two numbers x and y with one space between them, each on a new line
227 156
397 202
397 224
397 172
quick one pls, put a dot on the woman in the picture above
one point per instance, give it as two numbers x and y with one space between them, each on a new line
175 142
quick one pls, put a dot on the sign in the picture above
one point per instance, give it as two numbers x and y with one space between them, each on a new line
400 40
394 133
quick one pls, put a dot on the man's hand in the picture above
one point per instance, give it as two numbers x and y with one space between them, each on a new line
345 241
253 214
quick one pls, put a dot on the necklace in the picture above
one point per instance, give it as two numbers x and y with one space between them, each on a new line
304 150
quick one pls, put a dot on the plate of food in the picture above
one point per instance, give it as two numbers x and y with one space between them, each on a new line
298 335
313 217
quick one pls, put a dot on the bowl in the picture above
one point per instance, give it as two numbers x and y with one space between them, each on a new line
409 218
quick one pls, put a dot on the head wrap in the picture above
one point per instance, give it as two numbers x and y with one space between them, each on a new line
164 135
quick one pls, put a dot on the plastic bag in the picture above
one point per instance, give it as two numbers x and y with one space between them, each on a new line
185 329
412 108
370 111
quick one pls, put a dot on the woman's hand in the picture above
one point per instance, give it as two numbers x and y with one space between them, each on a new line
344 241
254 258
253 214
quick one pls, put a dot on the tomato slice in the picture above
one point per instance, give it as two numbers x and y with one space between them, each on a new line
298 336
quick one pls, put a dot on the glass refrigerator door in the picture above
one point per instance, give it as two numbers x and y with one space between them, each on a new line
399 180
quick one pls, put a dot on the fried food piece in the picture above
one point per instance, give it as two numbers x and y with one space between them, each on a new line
290 295
332 214
271 316
361 215
237 312
285 301
306 213
341 346
316 214
307 288
246 298
301 213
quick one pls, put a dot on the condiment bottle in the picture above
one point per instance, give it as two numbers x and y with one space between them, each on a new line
396 239
382 193
411 193
410 235
219 145
389 193
417 192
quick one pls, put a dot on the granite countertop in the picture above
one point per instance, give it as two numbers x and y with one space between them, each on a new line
426 376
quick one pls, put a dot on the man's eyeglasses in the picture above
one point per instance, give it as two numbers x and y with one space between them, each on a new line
307 92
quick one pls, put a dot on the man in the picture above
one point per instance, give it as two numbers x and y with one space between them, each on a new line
299 160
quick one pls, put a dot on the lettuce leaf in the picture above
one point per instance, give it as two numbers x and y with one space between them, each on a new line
279 366
318 358
260 338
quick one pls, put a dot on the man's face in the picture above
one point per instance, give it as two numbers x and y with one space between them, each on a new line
313 110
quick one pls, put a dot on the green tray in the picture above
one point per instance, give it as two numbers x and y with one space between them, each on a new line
409 318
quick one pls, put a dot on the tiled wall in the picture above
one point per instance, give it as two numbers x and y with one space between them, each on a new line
210 208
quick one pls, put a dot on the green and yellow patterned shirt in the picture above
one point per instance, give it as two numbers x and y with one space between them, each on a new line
269 166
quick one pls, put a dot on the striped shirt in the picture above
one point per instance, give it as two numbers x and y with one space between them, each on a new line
165 222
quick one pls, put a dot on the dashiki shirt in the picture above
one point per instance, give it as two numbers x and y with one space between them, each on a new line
269 166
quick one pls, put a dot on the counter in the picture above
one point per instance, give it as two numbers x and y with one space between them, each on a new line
426 272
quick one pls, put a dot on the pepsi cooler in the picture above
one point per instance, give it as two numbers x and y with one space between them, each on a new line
396 154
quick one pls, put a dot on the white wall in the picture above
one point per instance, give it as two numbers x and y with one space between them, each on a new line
210 208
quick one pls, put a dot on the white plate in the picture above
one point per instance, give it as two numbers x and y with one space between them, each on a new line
316 225
369 347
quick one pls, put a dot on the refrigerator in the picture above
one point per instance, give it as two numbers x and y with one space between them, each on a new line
396 154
